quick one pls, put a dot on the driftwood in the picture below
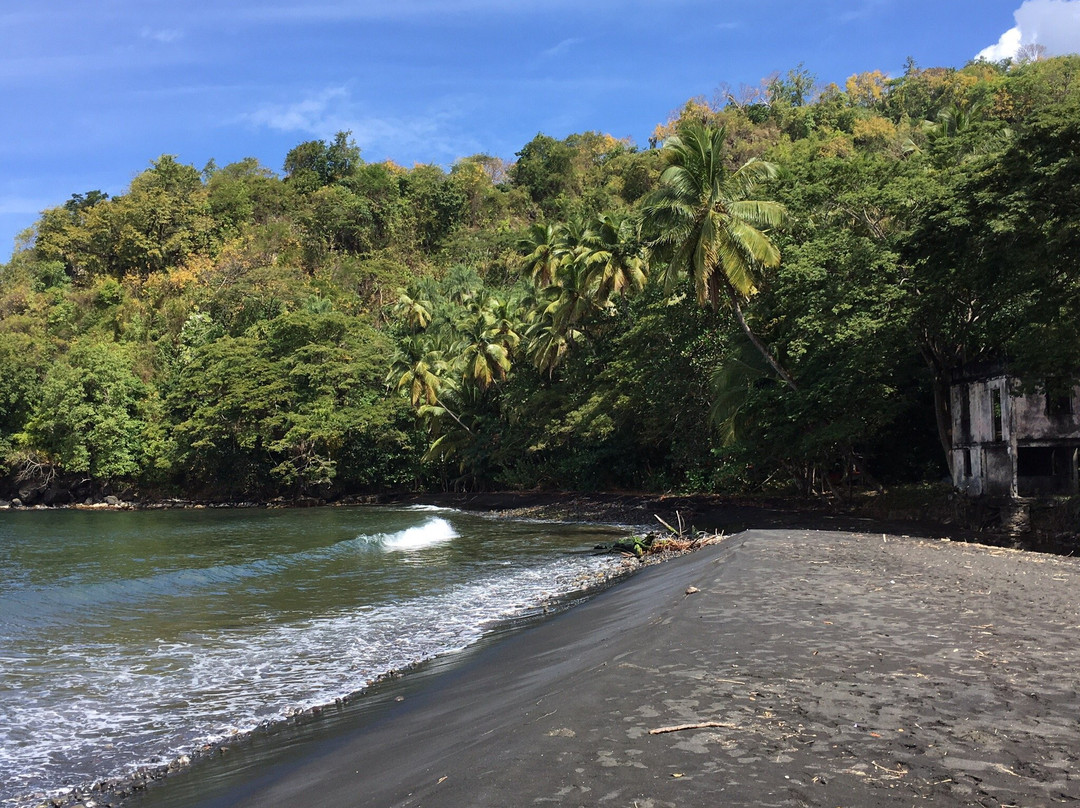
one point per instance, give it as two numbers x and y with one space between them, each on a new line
702 725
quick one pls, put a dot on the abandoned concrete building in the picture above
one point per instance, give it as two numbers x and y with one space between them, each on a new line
1011 443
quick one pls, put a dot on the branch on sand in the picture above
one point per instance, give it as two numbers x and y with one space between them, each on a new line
701 725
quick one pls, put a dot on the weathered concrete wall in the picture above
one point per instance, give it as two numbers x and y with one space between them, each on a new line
970 484
998 470
1031 422
985 438
992 428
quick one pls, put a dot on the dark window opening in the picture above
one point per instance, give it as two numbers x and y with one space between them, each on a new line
996 414
965 415
1058 399
1046 470
1036 461
967 462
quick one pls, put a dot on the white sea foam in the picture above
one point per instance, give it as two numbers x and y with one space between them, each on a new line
60 603
108 709
432 532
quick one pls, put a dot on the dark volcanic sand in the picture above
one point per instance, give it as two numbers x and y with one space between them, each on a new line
843 669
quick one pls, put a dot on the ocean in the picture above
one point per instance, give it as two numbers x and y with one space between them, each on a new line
130 639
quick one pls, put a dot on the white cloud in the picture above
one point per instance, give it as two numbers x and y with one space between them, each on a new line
315 115
1054 24
432 132
164 36
563 47
1006 48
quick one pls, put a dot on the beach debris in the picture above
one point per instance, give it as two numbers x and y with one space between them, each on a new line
679 532
676 541
699 725
664 523
898 772
690 590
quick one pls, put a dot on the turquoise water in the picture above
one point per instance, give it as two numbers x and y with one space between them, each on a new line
131 638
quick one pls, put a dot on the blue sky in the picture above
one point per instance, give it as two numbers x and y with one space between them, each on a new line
92 92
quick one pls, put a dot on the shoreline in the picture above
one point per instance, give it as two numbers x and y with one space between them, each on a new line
783 667
124 789
1048 526
118 789
159 779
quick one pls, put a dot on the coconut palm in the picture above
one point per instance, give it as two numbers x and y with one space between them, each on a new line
548 344
419 371
613 253
562 307
541 248
413 309
487 339
704 223
573 295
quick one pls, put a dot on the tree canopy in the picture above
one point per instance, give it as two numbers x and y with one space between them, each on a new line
776 293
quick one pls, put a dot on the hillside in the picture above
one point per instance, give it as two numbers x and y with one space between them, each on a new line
771 296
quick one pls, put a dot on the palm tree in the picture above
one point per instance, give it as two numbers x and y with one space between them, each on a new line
613 253
541 248
705 224
413 309
561 308
418 371
549 344
487 339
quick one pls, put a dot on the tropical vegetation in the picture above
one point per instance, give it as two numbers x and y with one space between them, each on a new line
773 295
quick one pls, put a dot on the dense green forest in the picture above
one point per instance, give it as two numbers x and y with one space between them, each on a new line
772 295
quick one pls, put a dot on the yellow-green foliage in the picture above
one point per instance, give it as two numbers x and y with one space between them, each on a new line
874 131
242 324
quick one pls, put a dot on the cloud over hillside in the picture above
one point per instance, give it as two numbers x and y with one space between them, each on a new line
1053 24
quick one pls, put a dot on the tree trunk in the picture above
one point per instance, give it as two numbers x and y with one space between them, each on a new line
733 298
450 412
942 410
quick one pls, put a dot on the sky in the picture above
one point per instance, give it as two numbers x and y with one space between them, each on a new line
93 92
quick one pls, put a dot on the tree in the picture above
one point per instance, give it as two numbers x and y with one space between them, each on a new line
541 246
995 272
419 372
316 163
20 383
413 309
545 169
614 255
282 404
487 341
244 193
703 224
91 416
563 307
436 205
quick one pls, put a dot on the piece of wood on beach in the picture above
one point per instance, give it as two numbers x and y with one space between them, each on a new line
700 725
665 524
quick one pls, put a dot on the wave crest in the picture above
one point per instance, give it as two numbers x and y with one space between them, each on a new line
434 531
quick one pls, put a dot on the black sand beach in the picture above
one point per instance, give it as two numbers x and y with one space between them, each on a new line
808 668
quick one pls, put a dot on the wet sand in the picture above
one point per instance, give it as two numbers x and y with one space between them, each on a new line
826 669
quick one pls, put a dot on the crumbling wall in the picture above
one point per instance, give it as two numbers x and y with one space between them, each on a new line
1039 417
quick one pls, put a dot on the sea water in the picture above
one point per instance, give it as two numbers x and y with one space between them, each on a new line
132 638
